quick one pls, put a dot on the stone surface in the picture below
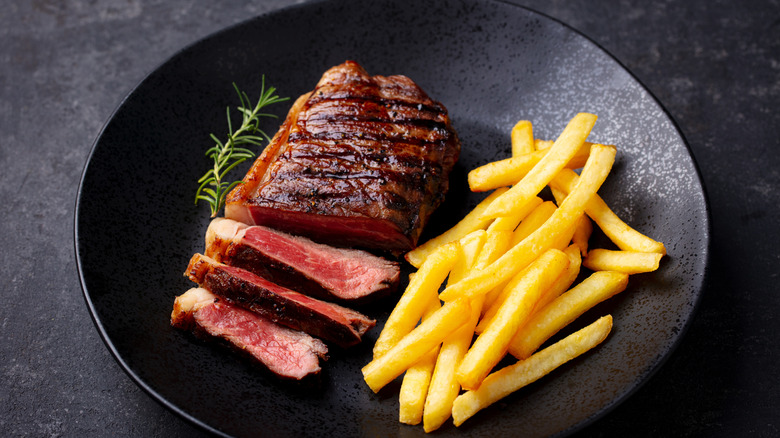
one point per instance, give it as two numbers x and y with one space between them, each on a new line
66 65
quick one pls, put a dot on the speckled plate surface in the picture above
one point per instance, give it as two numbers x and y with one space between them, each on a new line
491 64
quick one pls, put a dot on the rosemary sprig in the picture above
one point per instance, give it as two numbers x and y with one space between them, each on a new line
228 154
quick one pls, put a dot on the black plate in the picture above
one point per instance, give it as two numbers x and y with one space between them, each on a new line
491 64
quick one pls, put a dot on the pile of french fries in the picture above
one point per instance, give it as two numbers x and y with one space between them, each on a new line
509 266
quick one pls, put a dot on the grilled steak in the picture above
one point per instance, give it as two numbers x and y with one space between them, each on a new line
318 270
328 321
287 353
360 161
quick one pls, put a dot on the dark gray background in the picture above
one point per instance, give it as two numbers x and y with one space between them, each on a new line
65 66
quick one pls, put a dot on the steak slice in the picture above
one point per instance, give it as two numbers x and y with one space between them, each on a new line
328 321
287 353
361 161
318 270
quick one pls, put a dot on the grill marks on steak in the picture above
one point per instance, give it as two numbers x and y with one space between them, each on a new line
328 321
360 161
287 353
318 270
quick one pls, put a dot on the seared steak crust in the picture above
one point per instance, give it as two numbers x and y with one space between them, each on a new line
360 161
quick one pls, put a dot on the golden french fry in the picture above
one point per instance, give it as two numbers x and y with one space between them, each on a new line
577 161
583 229
414 387
560 223
541 145
503 173
566 308
522 138
534 220
508 172
470 246
564 282
408 351
498 240
582 232
496 245
567 144
497 248
491 346
473 221
628 262
444 386
421 291
559 286
508 380
497 297
509 223
625 237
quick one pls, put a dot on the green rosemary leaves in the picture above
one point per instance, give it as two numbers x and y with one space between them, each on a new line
228 154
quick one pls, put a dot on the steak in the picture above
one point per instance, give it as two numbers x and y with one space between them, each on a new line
328 321
287 353
318 270
360 161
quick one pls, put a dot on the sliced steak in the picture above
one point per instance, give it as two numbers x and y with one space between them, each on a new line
287 353
318 270
328 321
361 161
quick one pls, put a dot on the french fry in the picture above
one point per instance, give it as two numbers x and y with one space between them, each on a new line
422 289
473 221
470 246
625 237
534 220
444 386
509 171
414 387
508 380
560 223
492 344
497 297
495 246
503 173
564 282
541 145
499 235
567 144
583 229
629 262
582 233
408 351
522 138
509 223
577 161
559 286
545 323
